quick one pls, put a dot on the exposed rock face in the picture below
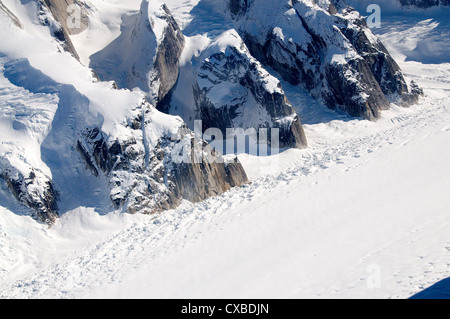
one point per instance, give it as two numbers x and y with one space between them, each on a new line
230 90
386 71
328 49
65 18
71 14
28 190
149 49
235 91
168 55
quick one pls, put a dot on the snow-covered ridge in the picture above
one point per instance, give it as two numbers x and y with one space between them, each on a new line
146 54
97 146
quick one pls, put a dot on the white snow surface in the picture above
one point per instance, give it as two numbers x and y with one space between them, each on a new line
366 203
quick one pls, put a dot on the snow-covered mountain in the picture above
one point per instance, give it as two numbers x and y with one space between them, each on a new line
126 87
327 48
102 108
147 53
70 140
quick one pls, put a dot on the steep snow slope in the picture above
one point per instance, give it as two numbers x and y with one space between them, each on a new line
363 213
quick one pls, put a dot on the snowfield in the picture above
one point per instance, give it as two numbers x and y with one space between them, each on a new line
364 212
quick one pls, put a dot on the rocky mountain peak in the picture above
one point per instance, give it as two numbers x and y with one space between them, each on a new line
328 49
148 49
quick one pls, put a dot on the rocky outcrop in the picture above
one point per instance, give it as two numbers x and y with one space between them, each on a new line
231 90
386 71
236 92
146 54
30 191
154 176
327 48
